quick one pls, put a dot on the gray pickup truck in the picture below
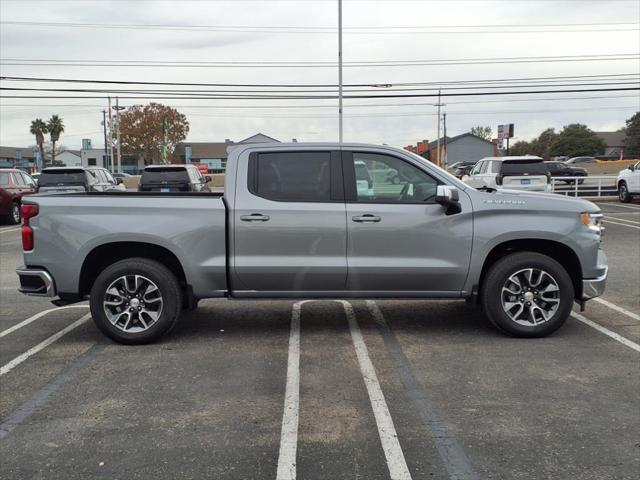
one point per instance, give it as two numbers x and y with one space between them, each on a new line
295 221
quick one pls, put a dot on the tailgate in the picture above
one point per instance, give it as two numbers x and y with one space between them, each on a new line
527 181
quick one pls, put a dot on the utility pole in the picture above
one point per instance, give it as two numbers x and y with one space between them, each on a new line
110 138
444 137
104 130
340 69
439 104
117 108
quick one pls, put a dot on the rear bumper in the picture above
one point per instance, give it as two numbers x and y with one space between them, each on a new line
594 287
36 282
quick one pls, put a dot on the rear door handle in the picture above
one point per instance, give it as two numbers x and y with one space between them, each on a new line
366 218
254 217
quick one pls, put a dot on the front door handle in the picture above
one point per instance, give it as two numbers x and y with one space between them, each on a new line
366 218
254 217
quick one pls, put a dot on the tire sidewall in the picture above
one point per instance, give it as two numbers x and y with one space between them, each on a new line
623 193
13 219
158 274
498 275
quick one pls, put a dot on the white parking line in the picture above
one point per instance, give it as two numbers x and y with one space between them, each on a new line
396 463
622 219
623 224
289 433
5 230
632 207
606 331
23 323
615 307
42 345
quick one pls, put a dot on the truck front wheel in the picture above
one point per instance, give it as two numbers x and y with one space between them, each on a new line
135 301
527 294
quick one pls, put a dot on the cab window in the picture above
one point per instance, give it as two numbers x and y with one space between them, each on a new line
386 179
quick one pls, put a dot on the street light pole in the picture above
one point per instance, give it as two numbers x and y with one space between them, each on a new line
438 141
340 69
117 108
104 130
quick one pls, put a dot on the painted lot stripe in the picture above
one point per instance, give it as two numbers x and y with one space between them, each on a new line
42 345
289 433
396 463
35 317
632 207
456 462
40 398
5 230
393 452
623 224
615 307
606 331
622 219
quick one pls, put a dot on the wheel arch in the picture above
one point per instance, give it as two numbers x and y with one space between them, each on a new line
560 252
107 254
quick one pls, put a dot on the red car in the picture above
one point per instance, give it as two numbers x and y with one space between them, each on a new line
13 185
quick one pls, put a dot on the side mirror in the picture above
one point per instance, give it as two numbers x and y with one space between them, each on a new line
207 178
118 180
448 197
630 167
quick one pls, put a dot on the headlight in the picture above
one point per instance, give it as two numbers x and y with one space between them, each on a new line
593 221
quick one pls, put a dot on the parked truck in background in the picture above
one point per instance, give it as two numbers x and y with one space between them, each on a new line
292 223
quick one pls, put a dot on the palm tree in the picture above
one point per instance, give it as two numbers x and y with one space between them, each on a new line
55 128
39 128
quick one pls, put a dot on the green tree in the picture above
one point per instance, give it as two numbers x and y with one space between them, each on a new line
576 140
55 127
142 132
482 132
39 128
521 148
542 145
632 135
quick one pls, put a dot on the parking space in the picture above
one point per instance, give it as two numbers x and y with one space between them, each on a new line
361 389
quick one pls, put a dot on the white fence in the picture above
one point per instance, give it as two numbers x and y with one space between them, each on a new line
591 186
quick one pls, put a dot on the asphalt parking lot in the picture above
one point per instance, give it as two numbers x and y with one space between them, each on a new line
325 390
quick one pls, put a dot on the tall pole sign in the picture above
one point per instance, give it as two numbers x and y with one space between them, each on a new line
505 132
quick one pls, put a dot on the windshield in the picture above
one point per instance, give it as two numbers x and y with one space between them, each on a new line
61 177
451 180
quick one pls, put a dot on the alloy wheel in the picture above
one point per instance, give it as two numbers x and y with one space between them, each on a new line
133 303
530 297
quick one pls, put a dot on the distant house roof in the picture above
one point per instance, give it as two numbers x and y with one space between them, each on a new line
73 152
259 138
450 140
613 139
10 152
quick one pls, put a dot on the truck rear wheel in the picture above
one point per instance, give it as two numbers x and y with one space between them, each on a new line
135 301
527 294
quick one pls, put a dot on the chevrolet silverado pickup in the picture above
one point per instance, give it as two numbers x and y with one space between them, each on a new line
293 223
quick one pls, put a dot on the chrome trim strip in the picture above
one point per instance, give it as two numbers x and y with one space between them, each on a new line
594 287
50 289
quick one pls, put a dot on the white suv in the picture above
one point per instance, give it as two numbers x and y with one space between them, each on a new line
628 182
519 173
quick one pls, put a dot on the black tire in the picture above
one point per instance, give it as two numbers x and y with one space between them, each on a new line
623 192
14 217
496 278
168 288
580 182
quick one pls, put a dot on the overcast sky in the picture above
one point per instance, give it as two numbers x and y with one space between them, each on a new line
477 31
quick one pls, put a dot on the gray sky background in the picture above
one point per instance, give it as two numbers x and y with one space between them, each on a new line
396 125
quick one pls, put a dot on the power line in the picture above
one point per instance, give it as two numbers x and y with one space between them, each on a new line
327 97
319 64
357 85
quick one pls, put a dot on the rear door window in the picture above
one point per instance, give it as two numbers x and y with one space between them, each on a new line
61 177
4 178
523 167
291 176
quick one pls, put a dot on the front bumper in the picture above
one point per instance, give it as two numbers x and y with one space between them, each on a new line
594 287
36 282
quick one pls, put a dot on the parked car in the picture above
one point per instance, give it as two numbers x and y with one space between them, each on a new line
14 184
460 172
173 178
77 179
454 166
520 173
292 224
581 160
628 183
560 169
